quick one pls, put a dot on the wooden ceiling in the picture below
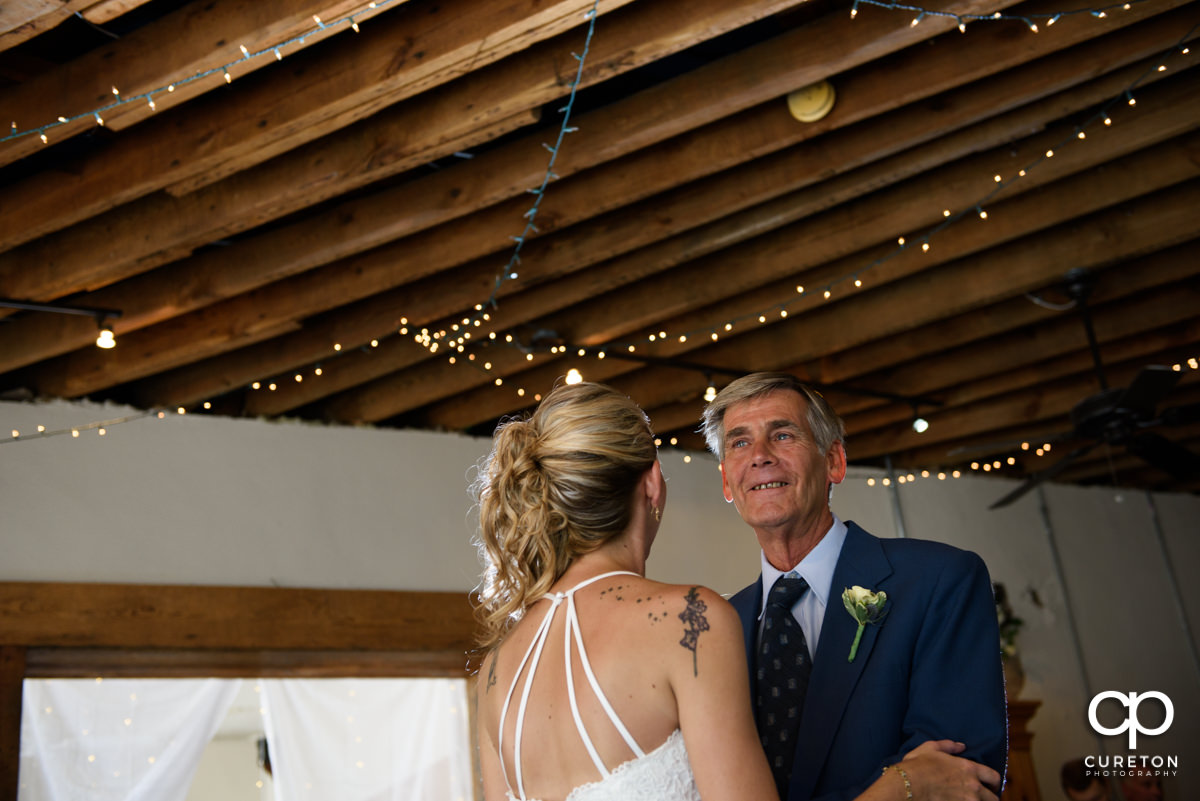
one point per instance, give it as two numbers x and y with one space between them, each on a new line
316 200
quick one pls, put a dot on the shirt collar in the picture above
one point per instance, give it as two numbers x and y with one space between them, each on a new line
816 567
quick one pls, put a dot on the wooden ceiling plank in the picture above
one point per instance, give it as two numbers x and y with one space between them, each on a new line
1139 349
1054 203
202 279
651 220
1138 280
964 385
22 20
143 227
946 367
199 37
952 288
299 100
104 11
1053 399
401 138
556 293
314 349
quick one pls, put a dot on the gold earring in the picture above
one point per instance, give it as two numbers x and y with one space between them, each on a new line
657 514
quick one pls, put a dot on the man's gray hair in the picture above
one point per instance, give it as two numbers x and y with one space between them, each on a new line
827 427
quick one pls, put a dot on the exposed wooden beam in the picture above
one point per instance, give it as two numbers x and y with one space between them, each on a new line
307 96
1056 398
320 340
653 220
304 244
972 352
157 55
792 255
434 125
22 20
1124 340
1132 352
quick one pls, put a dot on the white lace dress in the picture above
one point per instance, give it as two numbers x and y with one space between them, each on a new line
663 774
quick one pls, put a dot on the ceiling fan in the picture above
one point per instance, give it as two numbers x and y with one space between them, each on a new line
1121 416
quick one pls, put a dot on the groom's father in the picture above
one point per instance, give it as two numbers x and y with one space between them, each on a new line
838 702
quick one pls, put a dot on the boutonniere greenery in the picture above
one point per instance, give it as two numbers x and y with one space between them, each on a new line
865 607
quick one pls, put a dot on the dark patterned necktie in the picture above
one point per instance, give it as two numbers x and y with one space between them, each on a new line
784 666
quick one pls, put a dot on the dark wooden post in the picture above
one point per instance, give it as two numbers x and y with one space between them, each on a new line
12 673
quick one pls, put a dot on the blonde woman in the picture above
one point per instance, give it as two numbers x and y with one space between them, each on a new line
599 684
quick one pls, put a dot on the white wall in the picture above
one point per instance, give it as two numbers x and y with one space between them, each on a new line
207 500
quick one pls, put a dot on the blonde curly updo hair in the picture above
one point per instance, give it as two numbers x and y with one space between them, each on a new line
556 485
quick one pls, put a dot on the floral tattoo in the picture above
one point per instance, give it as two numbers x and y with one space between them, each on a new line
693 616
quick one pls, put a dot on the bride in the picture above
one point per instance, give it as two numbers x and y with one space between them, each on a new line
598 683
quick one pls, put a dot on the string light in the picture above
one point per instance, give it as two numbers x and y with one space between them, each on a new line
246 54
510 273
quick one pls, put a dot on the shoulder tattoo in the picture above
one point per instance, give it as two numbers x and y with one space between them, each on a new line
694 622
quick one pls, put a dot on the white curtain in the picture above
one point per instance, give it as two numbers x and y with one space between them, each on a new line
116 739
368 739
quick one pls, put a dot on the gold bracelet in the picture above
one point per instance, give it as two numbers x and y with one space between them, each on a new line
904 776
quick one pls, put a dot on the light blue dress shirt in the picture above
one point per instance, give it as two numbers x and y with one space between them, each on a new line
817 569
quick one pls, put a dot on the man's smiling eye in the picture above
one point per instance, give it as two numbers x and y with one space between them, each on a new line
737 443
783 435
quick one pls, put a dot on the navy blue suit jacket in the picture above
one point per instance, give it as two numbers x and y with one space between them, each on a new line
930 670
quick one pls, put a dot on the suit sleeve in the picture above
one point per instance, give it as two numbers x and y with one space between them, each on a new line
957 685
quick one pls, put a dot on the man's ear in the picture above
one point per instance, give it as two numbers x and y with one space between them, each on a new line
835 462
725 485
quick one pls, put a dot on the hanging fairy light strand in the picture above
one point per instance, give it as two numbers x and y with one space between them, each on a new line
479 314
458 337
961 20
1102 118
274 50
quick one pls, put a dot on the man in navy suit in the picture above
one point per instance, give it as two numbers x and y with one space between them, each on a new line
927 669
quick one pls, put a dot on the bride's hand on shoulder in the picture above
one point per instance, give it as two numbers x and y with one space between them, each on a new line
937 774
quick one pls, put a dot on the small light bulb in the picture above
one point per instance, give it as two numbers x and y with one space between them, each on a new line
106 339
573 376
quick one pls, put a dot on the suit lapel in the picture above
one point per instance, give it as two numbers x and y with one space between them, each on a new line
861 562
747 603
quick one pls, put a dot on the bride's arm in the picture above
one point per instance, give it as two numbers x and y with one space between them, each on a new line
930 772
709 678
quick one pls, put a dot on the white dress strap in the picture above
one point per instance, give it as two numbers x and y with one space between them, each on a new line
539 641
532 657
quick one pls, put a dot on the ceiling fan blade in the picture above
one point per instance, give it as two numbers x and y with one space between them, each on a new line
1044 475
1148 389
1181 415
1160 452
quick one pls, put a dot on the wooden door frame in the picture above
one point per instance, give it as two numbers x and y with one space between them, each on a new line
81 630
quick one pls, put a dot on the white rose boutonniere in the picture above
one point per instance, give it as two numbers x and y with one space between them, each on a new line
865 607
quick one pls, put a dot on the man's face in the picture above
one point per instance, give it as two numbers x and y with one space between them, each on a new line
774 471
1142 788
1096 791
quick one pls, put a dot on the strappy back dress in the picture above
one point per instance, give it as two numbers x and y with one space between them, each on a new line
663 774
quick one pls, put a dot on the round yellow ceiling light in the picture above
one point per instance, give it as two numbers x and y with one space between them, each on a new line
812 102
